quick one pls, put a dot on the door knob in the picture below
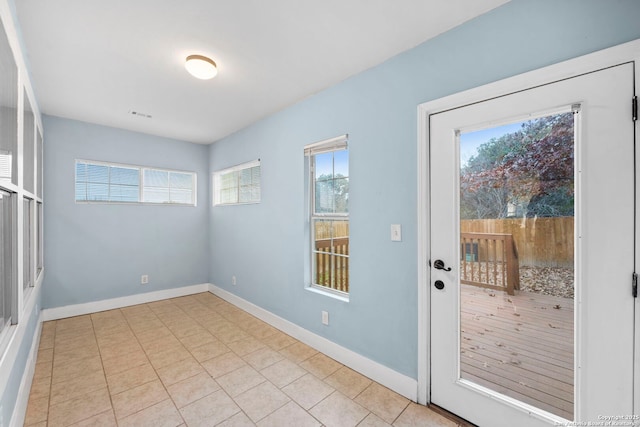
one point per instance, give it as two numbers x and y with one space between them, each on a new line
439 265
439 284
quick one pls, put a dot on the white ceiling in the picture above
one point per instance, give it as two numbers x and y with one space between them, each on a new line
97 60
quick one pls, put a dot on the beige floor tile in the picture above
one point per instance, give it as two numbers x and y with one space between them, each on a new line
418 415
131 378
163 414
339 411
109 329
184 369
279 340
168 357
238 420
45 355
37 410
283 373
307 391
183 330
290 415
197 340
192 389
46 341
70 370
240 380
209 350
231 335
153 334
298 352
261 400
210 410
40 424
263 358
245 346
40 387
43 369
124 362
77 386
140 323
138 398
372 420
348 382
118 350
320 365
80 408
73 355
104 419
262 331
223 364
383 402
117 339
73 340
163 344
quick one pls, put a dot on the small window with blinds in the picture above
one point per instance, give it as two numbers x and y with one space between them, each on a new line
237 185
115 183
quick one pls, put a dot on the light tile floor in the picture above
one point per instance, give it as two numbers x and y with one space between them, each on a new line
199 361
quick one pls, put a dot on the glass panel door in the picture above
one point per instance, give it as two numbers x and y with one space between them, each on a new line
517 261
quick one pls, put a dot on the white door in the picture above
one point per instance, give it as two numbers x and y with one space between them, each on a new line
532 247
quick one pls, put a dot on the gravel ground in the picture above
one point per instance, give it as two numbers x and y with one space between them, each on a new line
553 281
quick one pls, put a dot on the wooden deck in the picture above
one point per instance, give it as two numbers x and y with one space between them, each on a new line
519 345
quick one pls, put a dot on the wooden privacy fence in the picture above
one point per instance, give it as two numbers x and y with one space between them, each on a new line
490 261
541 242
332 263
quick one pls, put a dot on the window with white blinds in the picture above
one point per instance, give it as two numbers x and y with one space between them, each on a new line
116 183
237 185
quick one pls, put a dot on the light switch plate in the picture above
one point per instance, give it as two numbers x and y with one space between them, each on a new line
396 233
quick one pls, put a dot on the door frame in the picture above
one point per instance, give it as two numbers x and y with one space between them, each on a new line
627 52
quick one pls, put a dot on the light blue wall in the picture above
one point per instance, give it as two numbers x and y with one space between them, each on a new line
263 244
99 251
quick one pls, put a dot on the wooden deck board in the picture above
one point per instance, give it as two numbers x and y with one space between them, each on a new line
519 345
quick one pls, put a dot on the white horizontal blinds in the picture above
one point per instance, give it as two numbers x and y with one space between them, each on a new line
239 184
39 168
39 247
6 258
28 144
97 182
164 186
27 270
327 145
8 112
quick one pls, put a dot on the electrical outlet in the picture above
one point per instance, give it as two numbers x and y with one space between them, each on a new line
144 279
233 280
325 317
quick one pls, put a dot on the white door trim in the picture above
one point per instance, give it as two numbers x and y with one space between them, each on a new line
626 52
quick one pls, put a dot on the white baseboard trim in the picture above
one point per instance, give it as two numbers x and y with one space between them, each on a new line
113 303
20 410
400 383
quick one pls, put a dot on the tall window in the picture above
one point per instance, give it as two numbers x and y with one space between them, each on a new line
237 185
329 213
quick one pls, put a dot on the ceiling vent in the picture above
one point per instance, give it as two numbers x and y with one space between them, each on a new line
139 114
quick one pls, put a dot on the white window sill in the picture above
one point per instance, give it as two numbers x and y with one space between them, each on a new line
318 290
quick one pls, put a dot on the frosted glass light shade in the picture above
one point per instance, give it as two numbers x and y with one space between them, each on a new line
201 67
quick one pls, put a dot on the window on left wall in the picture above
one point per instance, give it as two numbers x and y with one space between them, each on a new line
116 183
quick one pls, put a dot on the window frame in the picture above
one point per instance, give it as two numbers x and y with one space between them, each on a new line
333 145
141 184
217 178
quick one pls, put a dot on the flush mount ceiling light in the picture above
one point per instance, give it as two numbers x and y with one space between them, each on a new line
201 67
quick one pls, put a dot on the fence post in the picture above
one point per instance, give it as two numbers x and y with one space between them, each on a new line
513 267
